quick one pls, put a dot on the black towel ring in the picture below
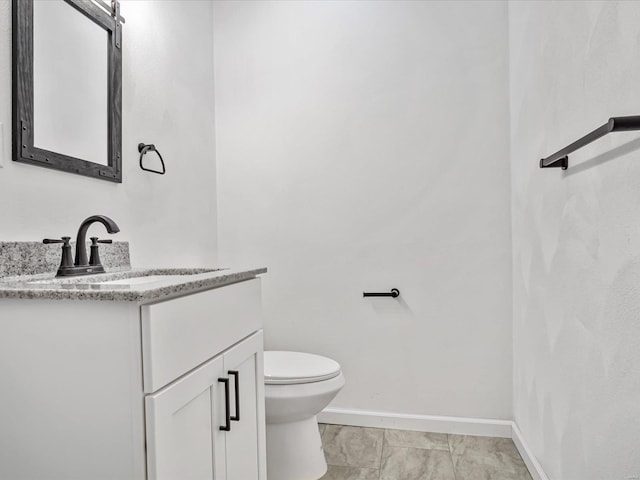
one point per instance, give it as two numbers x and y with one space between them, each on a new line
142 148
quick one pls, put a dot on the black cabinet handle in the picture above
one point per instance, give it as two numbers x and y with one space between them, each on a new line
227 426
236 374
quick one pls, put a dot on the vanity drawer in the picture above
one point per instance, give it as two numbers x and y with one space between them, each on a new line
180 334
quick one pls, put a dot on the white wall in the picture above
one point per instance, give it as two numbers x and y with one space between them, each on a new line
576 237
167 100
364 146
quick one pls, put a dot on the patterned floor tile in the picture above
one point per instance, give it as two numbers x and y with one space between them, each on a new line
400 463
355 453
480 458
351 473
405 438
353 446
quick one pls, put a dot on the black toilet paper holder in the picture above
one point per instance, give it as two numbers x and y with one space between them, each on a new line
393 293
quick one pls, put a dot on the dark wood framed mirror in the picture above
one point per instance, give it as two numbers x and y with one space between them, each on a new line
67 86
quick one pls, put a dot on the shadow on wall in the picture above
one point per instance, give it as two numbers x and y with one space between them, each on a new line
388 307
619 387
617 152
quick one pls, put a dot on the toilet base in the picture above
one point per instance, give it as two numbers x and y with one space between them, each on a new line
294 451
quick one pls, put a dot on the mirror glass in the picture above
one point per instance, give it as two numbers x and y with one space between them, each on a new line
70 82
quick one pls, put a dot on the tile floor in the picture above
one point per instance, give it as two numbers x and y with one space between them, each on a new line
356 453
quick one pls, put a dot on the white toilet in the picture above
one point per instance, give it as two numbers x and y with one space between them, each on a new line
297 387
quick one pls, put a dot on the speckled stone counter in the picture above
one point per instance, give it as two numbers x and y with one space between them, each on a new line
33 258
27 270
176 282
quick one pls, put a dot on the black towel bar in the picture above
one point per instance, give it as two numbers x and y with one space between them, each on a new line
560 159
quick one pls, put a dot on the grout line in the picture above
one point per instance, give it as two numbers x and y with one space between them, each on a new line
384 439
453 465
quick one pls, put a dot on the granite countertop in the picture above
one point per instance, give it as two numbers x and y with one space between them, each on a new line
160 284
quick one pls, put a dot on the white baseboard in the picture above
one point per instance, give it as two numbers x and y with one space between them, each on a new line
432 423
421 423
535 469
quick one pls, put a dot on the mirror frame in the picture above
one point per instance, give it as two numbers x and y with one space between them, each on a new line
24 150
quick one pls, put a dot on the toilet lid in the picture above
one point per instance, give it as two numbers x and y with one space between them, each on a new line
287 368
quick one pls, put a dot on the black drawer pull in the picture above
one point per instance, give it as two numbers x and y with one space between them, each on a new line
236 374
227 426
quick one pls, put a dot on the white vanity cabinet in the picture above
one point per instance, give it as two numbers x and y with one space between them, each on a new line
183 427
208 424
120 390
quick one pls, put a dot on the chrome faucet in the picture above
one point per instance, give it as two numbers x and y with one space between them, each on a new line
83 266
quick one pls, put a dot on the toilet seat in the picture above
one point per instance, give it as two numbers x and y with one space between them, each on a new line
292 368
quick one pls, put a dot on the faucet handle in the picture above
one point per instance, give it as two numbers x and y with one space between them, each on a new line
94 259
64 240
66 260
95 241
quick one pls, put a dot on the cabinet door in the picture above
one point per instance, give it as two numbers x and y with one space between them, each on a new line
246 453
184 440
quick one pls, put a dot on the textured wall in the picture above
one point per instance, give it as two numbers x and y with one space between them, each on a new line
167 100
363 146
576 237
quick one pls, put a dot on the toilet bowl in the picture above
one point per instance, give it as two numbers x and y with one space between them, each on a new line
297 387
